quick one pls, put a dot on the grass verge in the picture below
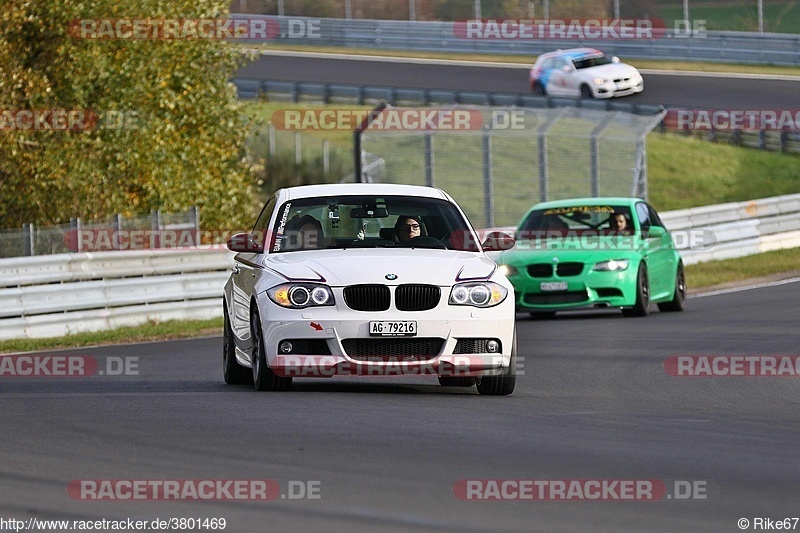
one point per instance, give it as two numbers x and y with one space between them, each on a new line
730 272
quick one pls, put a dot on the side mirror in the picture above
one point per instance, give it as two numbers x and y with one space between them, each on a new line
566 68
655 231
614 59
497 241
244 242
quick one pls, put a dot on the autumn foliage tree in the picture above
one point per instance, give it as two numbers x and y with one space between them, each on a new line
179 144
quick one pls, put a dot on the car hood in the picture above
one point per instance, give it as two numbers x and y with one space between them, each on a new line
373 265
614 70
587 250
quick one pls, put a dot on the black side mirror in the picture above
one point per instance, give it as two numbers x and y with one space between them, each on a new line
244 242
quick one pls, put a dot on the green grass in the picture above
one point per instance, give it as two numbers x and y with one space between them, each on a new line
779 17
651 64
743 268
172 329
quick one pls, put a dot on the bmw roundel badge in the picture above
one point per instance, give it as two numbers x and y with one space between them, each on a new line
391 277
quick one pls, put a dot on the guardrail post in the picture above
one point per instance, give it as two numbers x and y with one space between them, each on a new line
784 141
429 177
271 134
326 157
762 139
116 228
195 214
298 148
155 227
28 248
75 229
488 193
594 152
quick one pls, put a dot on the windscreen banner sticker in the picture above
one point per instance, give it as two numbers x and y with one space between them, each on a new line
281 228
580 209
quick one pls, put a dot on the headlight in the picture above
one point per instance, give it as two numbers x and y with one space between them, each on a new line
301 295
612 265
599 81
508 270
478 294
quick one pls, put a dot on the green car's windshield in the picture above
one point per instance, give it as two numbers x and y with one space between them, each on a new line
578 220
367 221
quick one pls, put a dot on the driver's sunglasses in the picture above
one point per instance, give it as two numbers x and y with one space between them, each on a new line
410 227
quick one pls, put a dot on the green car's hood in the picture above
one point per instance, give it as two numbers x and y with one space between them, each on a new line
586 249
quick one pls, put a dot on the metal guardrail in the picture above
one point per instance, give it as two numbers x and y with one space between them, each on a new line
55 295
711 46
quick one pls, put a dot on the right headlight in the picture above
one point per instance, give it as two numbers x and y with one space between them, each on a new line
478 294
613 265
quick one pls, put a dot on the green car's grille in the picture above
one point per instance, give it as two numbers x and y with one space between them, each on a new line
556 298
545 270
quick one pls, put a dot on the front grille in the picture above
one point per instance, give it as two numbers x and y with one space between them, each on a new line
466 346
556 298
367 297
540 270
417 297
569 269
413 349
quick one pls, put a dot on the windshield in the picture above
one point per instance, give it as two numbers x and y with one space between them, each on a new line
370 222
578 219
591 61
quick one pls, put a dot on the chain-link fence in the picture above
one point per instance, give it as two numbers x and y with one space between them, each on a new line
518 157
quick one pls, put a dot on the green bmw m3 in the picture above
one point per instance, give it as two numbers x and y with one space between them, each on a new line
594 252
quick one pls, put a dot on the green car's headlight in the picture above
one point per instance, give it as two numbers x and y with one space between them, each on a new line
612 265
508 270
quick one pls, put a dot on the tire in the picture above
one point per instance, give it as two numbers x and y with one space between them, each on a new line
642 306
586 92
538 89
232 371
264 379
678 302
454 381
502 384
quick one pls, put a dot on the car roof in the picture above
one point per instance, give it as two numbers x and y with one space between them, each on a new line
572 52
352 189
602 200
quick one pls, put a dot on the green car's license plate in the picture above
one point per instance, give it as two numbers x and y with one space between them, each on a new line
553 286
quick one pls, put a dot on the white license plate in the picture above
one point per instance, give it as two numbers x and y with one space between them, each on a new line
553 286
393 328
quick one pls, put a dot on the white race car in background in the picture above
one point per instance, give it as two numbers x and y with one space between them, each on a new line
584 73
331 282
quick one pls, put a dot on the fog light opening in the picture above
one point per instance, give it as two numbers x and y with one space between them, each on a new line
492 346
286 347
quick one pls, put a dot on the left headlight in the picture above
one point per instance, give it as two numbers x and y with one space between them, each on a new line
478 294
301 295
612 265
599 81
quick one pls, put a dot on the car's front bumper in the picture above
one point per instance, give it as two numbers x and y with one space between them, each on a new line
592 289
336 341
613 90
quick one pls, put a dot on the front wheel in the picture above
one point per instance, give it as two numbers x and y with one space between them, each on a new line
678 302
263 376
586 92
502 384
232 371
538 89
642 305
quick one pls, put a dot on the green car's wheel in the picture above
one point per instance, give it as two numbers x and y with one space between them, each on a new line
642 306
678 302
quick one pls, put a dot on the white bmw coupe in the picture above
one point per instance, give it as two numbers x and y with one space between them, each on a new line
584 73
367 280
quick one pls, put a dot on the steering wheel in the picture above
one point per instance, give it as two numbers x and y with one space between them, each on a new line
423 241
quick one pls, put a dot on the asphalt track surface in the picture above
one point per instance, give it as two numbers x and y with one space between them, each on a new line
674 90
594 403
